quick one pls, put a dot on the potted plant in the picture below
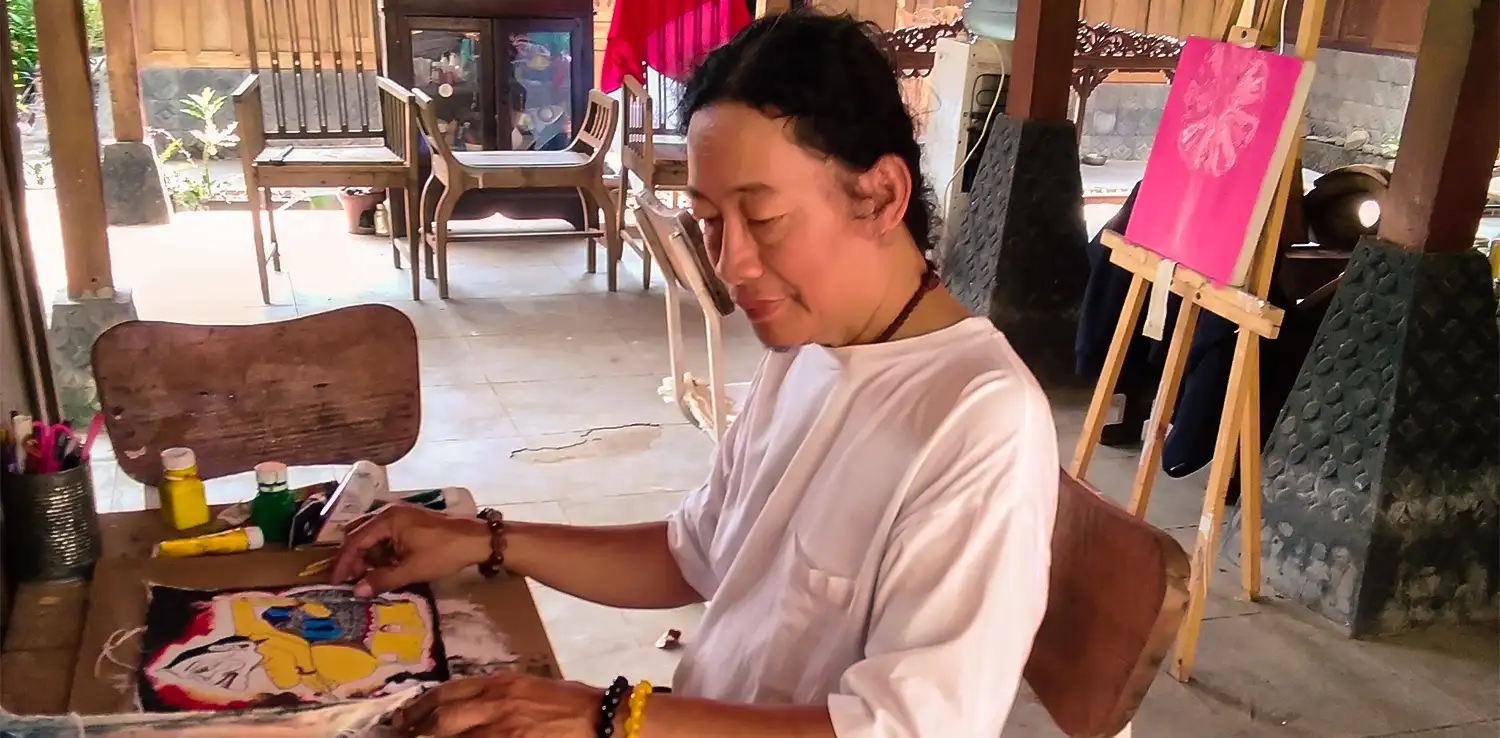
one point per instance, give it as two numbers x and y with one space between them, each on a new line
359 208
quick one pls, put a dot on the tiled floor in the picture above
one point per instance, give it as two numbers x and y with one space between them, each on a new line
540 395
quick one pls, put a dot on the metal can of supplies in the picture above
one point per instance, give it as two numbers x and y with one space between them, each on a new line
51 525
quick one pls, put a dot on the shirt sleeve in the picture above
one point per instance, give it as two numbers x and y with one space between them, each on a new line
690 531
963 583
691 527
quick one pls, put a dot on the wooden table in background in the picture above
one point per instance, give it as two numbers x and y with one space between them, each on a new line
57 629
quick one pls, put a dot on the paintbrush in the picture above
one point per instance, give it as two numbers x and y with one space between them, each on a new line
382 554
317 567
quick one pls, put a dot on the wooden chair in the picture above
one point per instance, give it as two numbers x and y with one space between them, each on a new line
580 166
673 238
391 165
313 92
330 388
660 163
1118 592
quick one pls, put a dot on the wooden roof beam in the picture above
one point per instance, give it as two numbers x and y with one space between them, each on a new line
1452 131
1042 59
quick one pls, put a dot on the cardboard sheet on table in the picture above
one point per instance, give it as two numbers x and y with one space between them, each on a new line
117 601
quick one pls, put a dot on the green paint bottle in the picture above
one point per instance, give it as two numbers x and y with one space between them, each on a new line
275 504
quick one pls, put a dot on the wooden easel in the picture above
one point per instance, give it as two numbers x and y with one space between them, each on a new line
1239 426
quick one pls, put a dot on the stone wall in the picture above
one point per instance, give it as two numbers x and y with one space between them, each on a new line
1122 120
1355 92
1354 96
163 89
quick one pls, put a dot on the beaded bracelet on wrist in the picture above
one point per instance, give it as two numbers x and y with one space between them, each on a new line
609 706
637 716
496 522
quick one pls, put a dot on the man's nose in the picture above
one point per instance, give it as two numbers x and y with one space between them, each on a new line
739 255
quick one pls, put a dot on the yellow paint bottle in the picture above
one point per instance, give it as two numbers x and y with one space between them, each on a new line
236 540
184 502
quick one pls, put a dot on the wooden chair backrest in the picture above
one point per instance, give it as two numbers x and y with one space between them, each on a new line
637 144
315 66
249 119
399 112
427 123
598 128
1118 592
676 242
330 388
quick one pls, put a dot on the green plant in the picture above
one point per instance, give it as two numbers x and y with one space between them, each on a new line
93 26
204 106
191 189
22 38
38 173
189 185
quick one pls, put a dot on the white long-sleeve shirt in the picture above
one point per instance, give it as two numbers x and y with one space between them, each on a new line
875 536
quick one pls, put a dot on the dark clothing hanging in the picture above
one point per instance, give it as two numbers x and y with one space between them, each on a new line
1190 443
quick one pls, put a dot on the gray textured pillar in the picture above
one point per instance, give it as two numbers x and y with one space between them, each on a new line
75 325
1019 254
1382 474
133 189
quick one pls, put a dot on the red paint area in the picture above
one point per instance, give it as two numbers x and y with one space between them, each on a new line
202 625
182 699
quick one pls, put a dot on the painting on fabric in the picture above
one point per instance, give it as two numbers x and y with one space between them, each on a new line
232 650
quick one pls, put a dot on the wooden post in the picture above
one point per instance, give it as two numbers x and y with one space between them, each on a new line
124 70
764 8
68 96
881 12
1042 59
1443 170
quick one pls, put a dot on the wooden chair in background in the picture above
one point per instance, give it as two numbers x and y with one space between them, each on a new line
1118 592
332 120
391 165
673 238
658 161
580 167
330 388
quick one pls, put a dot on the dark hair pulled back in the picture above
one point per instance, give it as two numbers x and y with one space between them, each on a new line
832 78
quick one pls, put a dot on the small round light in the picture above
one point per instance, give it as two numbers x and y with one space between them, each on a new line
1369 213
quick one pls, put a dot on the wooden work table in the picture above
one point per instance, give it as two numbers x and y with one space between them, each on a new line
57 629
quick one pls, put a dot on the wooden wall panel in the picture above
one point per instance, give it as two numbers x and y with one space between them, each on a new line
1180 18
604 12
1369 26
213 33
882 12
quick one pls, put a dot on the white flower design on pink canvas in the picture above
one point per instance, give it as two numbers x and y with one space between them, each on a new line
1222 110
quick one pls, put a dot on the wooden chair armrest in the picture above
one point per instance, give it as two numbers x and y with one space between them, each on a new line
251 86
249 116
398 114
388 87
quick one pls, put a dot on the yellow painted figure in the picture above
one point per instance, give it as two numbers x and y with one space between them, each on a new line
326 645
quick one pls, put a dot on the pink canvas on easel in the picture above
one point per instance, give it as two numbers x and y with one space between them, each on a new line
1224 137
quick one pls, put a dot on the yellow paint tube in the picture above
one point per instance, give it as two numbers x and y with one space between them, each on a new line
237 540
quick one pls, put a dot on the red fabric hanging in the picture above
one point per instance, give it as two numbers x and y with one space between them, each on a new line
669 36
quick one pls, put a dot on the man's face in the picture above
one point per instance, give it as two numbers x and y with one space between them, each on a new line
779 225
225 666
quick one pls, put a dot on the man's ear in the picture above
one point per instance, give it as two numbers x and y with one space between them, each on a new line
883 193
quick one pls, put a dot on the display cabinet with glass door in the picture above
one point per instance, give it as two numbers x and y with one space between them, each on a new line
503 75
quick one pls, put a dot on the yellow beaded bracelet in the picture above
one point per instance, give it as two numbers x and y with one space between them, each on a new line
637 709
